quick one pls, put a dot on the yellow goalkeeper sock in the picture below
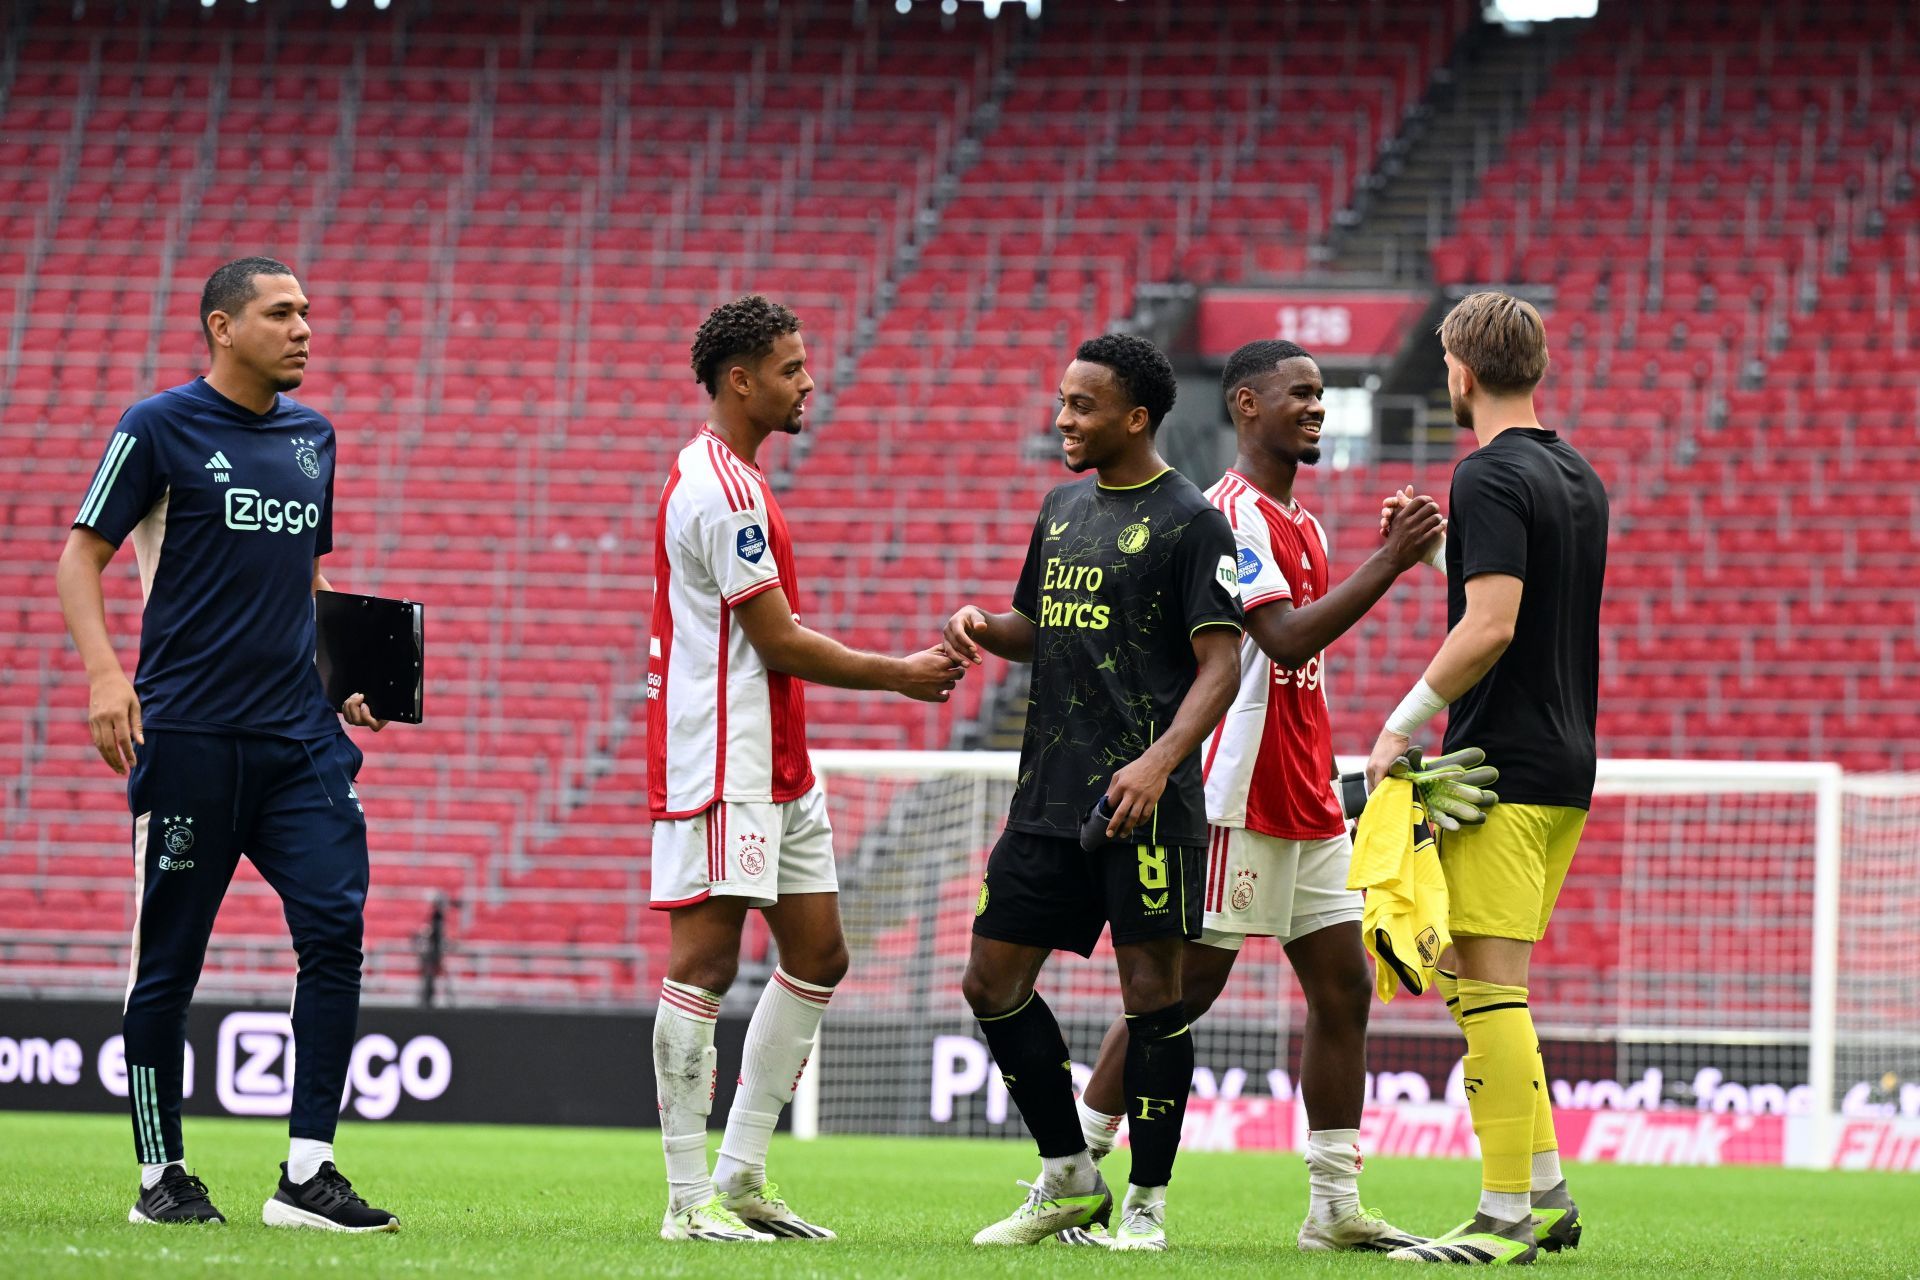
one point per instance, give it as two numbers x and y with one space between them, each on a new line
1502 1070
1449 984
1544 1138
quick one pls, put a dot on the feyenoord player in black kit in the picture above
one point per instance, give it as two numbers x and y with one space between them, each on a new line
1129 609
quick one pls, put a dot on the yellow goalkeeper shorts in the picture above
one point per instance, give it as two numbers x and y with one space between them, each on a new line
1503 876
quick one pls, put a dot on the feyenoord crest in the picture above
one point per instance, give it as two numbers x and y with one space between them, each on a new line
303 453
1133 538
1242 897
1428 945
753 853
177 835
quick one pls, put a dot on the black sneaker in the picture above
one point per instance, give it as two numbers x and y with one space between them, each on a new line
326 1202
177 1197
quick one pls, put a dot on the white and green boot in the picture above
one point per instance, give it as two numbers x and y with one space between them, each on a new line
1362 1231
712 1222
1143 1221
763 1210
1045 1213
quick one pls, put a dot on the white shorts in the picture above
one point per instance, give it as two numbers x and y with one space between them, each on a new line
752 850
1261 886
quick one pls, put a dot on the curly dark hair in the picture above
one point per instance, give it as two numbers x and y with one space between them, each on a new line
1143 373
1256 358
747 327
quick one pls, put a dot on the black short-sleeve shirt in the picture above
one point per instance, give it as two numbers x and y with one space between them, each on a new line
1117 581
1528 505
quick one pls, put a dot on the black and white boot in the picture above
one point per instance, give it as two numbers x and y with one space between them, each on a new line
177 1197
324 1202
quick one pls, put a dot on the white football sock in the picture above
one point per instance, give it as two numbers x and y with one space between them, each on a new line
304 1158
1138 1197
1546 1170
1101 1130
779 1043
1333 1174
1506 1206
1068 1175
683 1073
150 1174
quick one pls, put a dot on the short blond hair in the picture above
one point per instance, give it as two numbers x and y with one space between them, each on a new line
1501 338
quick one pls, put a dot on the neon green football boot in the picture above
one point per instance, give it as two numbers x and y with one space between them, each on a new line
1556 1219
1045 1213
1143 1221
1479 1242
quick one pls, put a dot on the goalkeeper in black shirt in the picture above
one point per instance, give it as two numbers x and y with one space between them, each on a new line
1129 609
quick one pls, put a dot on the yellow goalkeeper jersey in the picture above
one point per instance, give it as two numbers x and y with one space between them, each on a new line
1396 862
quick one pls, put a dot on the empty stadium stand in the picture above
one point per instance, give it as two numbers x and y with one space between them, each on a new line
511 219
1725 216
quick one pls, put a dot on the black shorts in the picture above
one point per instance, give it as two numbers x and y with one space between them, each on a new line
1046 891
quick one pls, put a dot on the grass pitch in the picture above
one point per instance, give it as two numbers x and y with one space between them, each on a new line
498 1201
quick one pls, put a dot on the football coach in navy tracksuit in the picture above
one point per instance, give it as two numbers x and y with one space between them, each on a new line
230 747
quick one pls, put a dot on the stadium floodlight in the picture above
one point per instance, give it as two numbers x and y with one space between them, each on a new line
949 7
382 5
339 4
903 6
1511 12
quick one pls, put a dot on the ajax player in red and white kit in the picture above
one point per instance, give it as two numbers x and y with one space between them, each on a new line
738 820
1278 851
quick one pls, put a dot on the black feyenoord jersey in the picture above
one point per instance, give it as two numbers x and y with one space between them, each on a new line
1117 581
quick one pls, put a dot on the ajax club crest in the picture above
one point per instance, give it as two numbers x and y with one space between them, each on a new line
1242 897
309 460
176 836
753 853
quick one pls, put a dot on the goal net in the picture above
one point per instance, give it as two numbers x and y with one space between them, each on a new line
1728 977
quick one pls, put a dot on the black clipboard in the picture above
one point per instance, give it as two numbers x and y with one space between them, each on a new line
374 646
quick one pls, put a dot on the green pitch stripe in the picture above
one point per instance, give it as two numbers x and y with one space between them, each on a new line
103 483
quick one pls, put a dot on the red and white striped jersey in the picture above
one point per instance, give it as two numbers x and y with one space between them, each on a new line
1269 765
720 726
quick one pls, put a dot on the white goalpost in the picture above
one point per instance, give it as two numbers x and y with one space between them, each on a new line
1728 977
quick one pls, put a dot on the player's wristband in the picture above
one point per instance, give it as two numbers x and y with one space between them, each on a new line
1437 557
1419 706
1352 788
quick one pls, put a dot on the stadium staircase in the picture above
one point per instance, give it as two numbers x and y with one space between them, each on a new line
1725 224
510 227
1427 172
